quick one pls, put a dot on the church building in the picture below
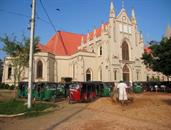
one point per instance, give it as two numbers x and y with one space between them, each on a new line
111 52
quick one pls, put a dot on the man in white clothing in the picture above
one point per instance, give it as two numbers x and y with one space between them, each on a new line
122 92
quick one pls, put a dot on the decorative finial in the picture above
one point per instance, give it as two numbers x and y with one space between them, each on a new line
123 4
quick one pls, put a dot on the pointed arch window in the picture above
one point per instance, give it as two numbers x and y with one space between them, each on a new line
39 69
115 74
9 71
88 75
125 51
100 50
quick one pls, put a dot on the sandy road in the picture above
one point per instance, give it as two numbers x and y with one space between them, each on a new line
149 111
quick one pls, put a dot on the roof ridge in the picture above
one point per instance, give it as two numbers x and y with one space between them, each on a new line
66 52
71 32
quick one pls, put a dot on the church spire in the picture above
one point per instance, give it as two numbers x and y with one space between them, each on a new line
112 10
133 17
168 32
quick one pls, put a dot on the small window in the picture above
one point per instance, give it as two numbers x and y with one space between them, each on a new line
115 75
100 50
137 75
39 69
9 71
148 79
88 75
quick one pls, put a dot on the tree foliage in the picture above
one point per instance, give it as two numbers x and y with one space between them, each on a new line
159 58
18 51
1 69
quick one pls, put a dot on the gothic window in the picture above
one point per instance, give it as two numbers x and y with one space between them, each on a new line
152 78
88 75
100 50
126 73
125 51
39 69
9 71
115 75
137 75
148 79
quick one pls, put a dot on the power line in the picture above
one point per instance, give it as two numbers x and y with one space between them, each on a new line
23 15
50 21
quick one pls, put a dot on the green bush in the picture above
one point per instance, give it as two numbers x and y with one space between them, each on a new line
2 85
12 87
6 86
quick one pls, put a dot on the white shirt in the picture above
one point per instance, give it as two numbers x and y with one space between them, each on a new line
122 91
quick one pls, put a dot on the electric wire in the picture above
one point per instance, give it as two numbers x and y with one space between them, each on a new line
23 15
50 21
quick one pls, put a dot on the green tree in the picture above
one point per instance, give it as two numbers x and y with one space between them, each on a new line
1 69
18 52
159 58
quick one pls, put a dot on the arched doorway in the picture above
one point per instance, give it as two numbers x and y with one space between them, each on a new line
39 69
88 75
126 73
125 51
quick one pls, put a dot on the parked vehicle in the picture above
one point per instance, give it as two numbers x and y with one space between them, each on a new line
103 89
22 89
81 92
137 88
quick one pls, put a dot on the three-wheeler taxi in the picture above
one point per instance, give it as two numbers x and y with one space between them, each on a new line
81 92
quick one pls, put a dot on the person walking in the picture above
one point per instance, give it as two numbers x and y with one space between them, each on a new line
122 92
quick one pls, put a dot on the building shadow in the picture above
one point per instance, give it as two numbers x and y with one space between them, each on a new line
67 118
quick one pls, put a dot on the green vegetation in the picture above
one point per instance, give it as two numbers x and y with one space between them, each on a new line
6 86
17 106
159 59
1 69
18 52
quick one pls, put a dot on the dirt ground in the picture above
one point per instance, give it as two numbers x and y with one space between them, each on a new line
149 111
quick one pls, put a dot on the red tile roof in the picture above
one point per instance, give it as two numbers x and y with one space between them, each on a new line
98 33
147 50
62 44
66 43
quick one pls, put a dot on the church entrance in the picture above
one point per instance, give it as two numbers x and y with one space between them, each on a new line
126 74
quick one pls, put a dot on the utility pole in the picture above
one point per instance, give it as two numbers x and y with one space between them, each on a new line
30 83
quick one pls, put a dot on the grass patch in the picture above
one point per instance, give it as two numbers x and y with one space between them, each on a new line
37 109
12 107
17 106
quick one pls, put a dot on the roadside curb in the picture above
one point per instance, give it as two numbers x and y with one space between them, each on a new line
14 115
21 114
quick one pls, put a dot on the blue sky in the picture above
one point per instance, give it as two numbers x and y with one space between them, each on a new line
81 16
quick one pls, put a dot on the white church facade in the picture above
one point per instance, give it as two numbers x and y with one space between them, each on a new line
109 53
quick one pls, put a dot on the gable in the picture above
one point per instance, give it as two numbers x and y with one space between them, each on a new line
123 17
